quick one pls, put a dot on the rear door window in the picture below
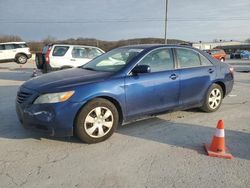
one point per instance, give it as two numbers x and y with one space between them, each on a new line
1 47
60 50
79 52
187 58
205 61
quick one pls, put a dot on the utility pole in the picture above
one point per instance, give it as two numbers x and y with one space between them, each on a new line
166 22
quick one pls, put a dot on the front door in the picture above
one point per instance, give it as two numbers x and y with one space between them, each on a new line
80 56
156 91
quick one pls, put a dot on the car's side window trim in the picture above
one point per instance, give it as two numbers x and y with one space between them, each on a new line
160 48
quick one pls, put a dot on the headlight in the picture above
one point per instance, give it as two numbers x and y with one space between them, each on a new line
54 97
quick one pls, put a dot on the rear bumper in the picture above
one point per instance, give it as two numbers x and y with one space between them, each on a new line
51 119
229 82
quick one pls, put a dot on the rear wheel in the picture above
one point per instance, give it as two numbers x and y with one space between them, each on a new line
21 59
44 68
97 121
213 98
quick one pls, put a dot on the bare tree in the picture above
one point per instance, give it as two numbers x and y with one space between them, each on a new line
10 38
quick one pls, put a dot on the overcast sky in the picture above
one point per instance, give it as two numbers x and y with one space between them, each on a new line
191 20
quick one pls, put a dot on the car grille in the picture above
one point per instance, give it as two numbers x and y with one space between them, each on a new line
23 96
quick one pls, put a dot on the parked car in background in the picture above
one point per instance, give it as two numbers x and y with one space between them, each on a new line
236 54
245 54
64 56
18 52
217 54
123 84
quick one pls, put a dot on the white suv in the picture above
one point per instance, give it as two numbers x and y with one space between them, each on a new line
14 51
63 56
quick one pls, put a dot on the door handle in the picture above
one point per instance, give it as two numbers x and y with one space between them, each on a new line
210 71
173 76
72 60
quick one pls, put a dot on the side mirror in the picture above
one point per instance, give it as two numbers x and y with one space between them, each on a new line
141 69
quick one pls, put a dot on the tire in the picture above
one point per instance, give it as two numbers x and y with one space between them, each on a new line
91 125
39 60
44 68
21 59
213 98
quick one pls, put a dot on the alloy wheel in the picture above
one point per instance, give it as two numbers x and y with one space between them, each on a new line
22 59
214 98
98 122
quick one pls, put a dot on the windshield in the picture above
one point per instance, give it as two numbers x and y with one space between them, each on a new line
113 60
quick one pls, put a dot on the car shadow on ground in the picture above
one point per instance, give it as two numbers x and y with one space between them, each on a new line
180 135
187 136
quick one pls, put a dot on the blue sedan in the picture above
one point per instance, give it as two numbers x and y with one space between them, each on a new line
123 84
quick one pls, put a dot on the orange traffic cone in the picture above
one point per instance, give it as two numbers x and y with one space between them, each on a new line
217 147
34 74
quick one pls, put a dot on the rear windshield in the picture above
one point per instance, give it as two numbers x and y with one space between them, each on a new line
60 50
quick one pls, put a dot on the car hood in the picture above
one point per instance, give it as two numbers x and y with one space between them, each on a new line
64 79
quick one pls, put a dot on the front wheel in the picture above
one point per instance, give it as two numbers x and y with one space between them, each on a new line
97 121
21 59
213 98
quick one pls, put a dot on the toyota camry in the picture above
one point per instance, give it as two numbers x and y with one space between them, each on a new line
123 84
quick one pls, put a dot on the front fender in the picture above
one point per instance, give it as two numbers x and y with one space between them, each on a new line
113 89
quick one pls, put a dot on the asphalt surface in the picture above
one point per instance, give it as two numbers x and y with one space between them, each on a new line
240 65
164 151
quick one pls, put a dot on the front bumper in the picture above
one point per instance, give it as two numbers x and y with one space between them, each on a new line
52 119
29 56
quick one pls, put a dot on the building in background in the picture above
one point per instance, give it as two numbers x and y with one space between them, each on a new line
228 46
211 45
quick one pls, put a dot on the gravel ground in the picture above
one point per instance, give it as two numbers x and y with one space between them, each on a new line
164 151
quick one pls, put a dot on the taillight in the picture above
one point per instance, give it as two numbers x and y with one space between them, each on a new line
47 55
231 69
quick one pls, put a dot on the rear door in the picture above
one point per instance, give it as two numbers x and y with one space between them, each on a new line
10 51
196 75
152 92
60 56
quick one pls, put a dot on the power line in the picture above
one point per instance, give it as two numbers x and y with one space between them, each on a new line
90 21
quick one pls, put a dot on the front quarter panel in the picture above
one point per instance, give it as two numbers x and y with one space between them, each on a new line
111 88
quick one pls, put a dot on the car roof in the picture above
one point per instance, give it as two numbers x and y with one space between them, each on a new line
154 46
13 43
73 45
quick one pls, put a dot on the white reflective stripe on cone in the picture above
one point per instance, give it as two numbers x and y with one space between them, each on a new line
219 133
